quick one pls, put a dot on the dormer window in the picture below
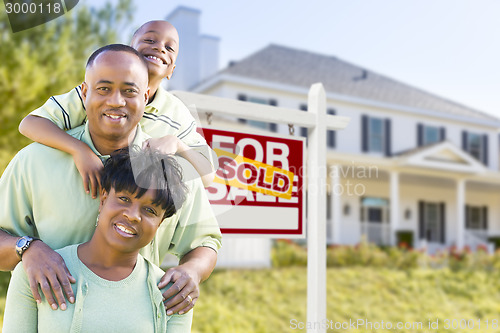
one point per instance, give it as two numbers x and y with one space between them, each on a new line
427 135
476 145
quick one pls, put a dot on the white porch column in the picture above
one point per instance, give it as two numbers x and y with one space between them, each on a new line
394 221
460 204
335 203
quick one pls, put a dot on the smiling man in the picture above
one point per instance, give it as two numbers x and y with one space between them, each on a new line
41 196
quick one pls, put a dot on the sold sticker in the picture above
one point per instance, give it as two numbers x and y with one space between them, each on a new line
238 171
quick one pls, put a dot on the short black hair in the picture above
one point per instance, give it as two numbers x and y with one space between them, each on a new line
137 170
116 48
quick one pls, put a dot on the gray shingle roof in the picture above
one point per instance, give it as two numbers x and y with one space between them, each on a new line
301 68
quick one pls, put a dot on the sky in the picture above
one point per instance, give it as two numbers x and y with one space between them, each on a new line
450 48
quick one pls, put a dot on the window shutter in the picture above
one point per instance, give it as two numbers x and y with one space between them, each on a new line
243 98
331 135
485 217
467 217
442 221
364 133
464 140
388 137
303 130
421 220
420 135
442 134
485 149
273 127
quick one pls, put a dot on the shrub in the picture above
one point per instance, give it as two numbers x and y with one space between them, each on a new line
4 283
287 253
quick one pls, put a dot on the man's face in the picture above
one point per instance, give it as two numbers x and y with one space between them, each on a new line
158 42
115 93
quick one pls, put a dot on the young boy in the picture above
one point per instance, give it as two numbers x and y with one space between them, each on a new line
166 119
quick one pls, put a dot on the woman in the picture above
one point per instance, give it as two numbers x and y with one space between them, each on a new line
116 288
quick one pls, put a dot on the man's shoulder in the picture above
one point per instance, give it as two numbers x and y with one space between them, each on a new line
190 175
36 150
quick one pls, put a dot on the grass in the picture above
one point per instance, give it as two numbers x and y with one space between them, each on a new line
274 300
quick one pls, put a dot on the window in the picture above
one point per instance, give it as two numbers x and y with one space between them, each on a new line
255 123
429 134
476 145
476 217
432 226
376 135
330 135
303 130
432 221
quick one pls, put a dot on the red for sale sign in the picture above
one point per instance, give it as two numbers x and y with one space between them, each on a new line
259 186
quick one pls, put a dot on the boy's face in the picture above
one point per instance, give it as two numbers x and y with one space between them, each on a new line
158 42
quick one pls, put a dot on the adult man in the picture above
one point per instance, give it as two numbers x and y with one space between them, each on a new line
41 194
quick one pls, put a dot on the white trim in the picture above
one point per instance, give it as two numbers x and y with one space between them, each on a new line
419 159
261 112
436 114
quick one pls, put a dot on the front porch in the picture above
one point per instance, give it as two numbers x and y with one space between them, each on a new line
450 201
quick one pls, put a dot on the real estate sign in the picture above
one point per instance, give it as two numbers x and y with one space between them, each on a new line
259 186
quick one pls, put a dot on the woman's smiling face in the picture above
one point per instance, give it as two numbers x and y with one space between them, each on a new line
129 223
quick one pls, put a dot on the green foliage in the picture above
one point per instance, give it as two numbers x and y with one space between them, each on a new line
496 241
404 238
48 60
287 253
4 283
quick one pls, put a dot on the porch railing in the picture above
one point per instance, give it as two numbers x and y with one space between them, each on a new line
475 238
378 233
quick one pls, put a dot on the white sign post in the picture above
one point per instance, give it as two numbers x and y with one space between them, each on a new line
316 212
317 122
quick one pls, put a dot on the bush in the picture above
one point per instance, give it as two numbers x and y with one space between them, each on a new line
4 283
287 253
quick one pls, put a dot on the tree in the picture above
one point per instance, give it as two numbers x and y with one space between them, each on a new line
47 60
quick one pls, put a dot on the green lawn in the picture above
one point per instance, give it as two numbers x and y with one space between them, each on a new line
274 300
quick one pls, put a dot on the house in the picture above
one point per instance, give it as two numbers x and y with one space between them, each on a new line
411 166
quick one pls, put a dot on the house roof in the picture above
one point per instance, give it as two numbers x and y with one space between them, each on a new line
302 68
